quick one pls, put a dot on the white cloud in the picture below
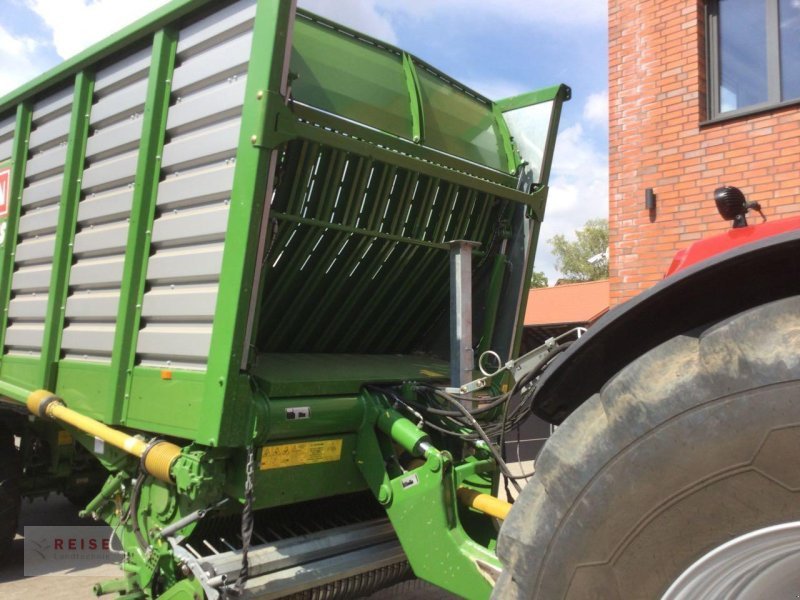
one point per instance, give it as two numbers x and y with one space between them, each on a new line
578 192
361 15
17 55
595 111
16 47
74 26
543 12
496 89
77 24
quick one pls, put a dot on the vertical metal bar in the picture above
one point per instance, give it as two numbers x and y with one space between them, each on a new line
773 52
465 214
399 217
478 222
366 253
447 207
67 223
564 94
513 299
221 423
19 159
525 223
148 170
334 294
712 56
492 302
512 159
402 289
257 282
420 307
462 360
364 298
302 300
532 240
389 316
427 296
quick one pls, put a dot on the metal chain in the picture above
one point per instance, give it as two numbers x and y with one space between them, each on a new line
247 517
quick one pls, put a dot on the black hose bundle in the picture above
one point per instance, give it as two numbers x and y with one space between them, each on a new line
489 422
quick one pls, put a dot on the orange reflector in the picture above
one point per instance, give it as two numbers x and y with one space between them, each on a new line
166 374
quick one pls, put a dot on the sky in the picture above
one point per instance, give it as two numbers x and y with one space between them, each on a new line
498 48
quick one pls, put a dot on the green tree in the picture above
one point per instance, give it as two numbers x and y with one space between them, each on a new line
539 279
586 258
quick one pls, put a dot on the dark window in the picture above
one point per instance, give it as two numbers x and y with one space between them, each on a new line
753 54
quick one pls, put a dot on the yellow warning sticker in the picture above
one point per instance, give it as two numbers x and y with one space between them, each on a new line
305 453
64 438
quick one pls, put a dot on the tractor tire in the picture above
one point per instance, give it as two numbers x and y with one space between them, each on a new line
10 498
693 445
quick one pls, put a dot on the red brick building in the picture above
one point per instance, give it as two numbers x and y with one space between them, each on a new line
701 94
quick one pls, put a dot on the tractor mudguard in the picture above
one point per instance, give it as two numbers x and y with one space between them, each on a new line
721 286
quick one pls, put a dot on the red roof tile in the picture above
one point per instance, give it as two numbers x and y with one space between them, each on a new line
568 303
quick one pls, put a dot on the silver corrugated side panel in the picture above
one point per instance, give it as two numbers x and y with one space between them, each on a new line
31 280
38 221
47 163
130 68
112 155
203 126
7 125
42 193
87 340
27 307
24 337
97 273
88 304
52 132
52 106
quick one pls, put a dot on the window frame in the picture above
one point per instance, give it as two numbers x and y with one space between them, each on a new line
713 81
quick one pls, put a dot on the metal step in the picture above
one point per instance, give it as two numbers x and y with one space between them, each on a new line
293 565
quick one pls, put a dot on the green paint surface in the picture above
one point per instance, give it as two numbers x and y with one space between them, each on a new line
336 258
325 374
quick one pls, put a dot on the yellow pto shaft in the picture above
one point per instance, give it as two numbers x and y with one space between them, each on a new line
157 456
485 503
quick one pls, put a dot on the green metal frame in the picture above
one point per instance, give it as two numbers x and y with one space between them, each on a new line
67 223
421 503
558 94
415 102
346 135
143 209
466 190
267 123
19 161
222 412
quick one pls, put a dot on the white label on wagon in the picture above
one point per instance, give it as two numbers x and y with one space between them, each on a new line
5 190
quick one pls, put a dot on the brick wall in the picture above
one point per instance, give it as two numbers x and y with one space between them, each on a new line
656 107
